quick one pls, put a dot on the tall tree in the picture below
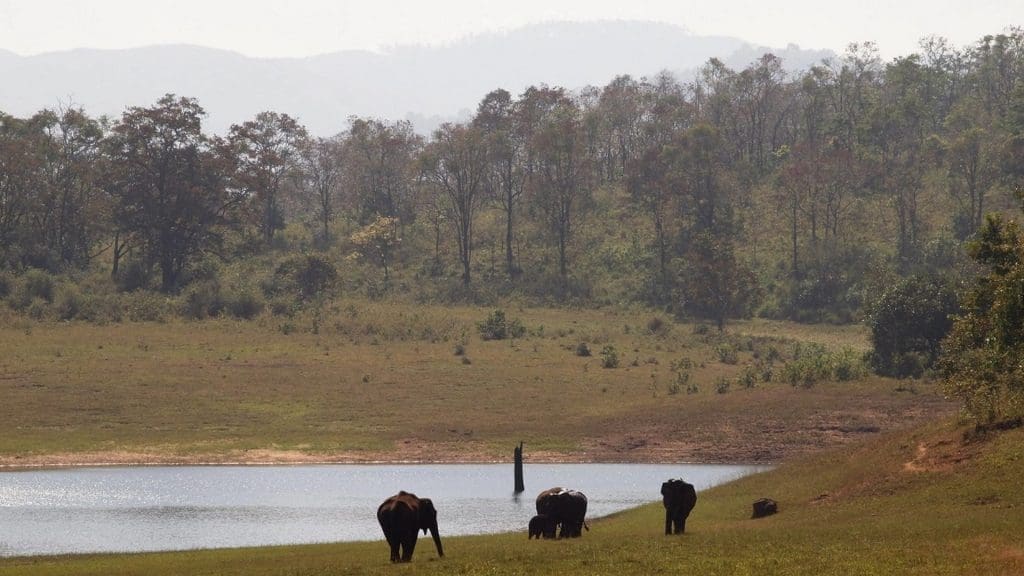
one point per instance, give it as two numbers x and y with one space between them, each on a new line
456 160
380 168
68 214
564 174
267 152
20 169
321 179
169 183
496 118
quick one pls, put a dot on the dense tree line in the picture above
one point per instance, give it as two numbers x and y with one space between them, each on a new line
796 195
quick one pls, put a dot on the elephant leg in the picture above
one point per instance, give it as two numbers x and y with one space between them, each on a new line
408 547
668 521
393 543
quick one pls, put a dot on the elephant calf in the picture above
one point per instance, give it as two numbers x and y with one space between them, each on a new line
542 525
567 508
679 498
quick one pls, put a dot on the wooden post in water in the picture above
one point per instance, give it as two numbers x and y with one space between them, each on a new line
518 454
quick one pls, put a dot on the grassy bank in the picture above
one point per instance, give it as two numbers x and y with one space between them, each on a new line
920 502
363 381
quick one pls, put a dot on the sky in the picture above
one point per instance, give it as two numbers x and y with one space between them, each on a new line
297 28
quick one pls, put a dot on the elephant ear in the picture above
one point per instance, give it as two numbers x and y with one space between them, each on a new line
427 514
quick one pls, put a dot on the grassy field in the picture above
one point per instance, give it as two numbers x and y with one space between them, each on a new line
913 502
366 381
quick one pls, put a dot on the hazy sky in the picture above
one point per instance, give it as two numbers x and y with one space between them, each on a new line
306 27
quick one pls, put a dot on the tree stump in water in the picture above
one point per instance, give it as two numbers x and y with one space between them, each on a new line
518 455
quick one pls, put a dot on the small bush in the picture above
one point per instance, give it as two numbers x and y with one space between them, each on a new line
460 350
583 350
722 385
68 303
657 326
748 377
144 306
34 285
244 304
100 308
201 300
497 327
133 276
37 309
727 353
306 275
609 357
847 365
6 283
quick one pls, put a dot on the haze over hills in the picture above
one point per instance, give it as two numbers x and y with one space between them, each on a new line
424 84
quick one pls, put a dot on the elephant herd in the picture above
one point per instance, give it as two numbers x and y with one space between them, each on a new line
403 515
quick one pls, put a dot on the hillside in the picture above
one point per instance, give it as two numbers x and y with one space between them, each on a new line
422 82
366 381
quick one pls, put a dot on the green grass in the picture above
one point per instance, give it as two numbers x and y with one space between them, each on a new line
372 379
859 510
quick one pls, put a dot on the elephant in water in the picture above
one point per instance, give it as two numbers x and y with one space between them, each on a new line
679 498
565 507
401 517
542 526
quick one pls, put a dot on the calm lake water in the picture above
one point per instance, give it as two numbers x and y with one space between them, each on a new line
176 508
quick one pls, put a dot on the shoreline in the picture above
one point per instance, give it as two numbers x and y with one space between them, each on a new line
264 458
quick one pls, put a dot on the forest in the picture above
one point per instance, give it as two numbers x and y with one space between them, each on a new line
741 193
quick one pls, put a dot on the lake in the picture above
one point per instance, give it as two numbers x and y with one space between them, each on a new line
184 507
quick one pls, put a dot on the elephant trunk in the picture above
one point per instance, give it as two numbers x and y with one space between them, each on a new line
437 539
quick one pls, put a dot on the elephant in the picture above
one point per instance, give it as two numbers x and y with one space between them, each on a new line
679 498
542 525
401 517
565 507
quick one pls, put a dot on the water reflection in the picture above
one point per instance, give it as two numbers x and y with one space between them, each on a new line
173 508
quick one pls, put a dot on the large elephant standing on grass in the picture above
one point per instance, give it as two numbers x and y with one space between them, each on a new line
401 517
679 499
565 507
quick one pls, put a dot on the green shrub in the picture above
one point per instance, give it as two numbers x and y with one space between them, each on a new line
306 275
748 377
201 300
497 327
609 357
722 385
582 349
134 275
100 308
145 306
33 285
810 364
907 325
244 304
657 326
37 309
847 365
727 353
68 303
6 283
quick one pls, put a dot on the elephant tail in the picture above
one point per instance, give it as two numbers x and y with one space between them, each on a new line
585 525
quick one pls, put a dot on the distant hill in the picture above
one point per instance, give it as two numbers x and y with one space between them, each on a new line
424 83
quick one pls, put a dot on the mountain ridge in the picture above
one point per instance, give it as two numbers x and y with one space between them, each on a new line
425 83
